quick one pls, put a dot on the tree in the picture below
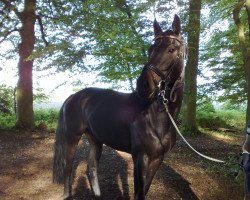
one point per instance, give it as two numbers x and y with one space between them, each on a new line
222 56
244 45
115 32
226 54
120 48
22 22
191 70
22 25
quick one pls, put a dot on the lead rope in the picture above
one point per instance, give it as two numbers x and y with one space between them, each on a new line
178 131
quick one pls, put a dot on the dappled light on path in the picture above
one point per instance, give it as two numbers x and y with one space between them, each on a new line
26 172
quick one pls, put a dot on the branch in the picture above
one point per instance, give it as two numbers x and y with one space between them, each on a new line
42 30
11 7
8 33
236 12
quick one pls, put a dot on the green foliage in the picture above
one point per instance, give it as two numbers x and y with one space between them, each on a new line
205 104
6 99
39 96
210 120
232 119
108 37
222 55
7 120
120 49
230 105
48 117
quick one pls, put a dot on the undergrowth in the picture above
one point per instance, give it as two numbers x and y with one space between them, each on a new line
45 118
232 119
48 117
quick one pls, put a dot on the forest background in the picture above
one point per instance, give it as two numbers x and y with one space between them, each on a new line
108 40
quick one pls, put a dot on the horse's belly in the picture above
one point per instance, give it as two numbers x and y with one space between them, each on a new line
112 135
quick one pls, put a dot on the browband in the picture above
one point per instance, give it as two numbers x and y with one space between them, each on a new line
168 36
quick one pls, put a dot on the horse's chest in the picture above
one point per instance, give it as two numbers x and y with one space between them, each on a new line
152 134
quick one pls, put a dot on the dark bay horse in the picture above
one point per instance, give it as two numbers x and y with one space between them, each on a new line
135 123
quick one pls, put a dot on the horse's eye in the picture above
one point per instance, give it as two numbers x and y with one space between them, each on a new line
171 50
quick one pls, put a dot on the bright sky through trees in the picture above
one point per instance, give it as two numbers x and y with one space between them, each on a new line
55 84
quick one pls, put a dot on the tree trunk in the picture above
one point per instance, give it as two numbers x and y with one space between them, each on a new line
191 70
24 92
247 63
244 46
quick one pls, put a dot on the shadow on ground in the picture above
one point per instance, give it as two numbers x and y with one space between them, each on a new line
116 178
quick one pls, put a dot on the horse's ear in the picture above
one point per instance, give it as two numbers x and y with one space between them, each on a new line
157 28
176 25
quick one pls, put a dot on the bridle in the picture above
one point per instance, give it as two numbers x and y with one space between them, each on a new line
163 84
181 54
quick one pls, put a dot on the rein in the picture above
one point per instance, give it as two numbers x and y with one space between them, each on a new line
165 103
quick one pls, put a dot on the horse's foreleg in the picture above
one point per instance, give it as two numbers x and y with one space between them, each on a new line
140 172
152 168
93 160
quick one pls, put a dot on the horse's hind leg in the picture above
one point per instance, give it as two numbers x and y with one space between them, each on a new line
93 160
70 152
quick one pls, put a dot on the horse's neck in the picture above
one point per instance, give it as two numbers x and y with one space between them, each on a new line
142 86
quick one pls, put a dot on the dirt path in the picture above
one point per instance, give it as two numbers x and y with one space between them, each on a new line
26 163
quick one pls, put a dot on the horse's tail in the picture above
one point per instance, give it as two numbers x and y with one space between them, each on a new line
59 150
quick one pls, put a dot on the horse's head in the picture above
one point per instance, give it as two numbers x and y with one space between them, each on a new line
168 48
166 58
